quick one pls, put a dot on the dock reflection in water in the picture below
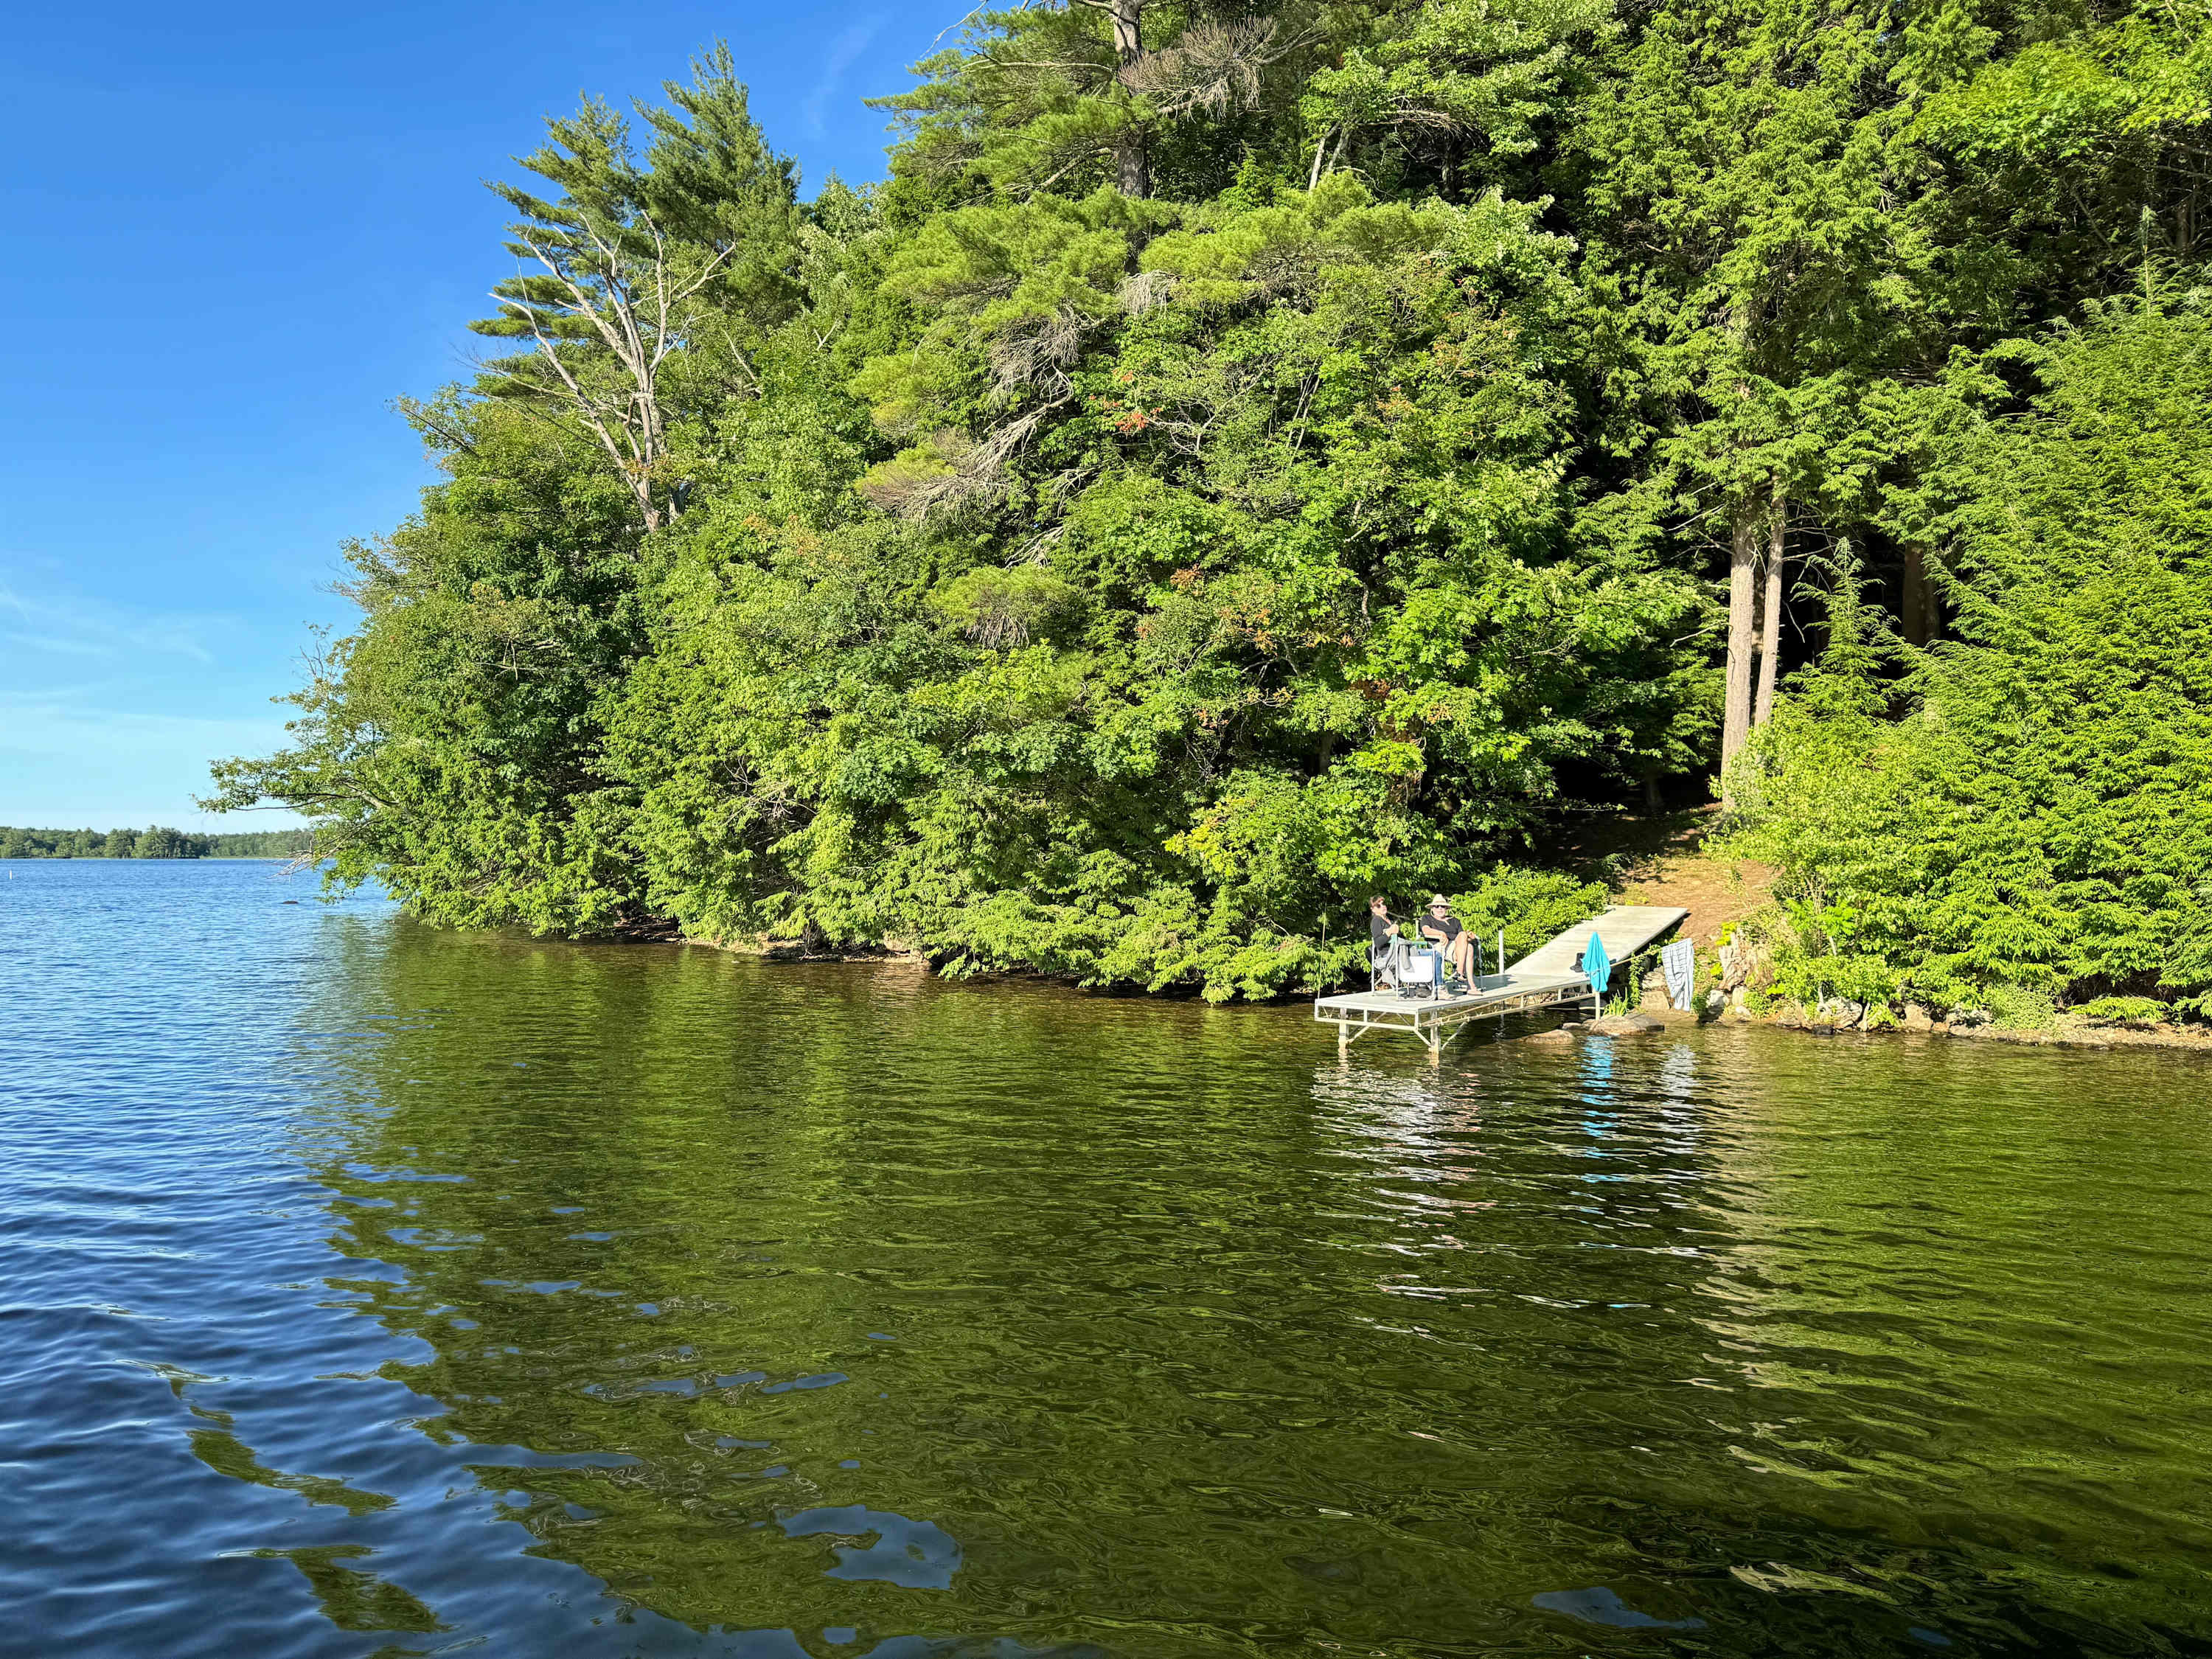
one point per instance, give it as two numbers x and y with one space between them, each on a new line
386 1291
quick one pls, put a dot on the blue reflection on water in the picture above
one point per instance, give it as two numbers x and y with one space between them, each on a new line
918 1554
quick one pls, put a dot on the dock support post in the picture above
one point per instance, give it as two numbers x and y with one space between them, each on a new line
1344 1036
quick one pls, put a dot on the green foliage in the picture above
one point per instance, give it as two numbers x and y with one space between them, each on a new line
1492 74
451 746
2097 133
1242 460
2138 1012
2042 818
2020 1008
1530 906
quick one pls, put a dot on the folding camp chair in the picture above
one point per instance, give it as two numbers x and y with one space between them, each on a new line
1405 967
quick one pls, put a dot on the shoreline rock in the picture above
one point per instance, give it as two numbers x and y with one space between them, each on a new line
1732 1009
2062 1036
1619 1025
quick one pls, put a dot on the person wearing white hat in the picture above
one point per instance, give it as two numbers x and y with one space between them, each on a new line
1438 928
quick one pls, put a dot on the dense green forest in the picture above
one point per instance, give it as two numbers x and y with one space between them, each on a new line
1248 456
155 841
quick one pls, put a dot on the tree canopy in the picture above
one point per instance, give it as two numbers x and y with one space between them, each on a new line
1248 457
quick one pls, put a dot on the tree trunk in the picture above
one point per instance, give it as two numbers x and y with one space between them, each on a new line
1743 570
1128 18
1770 635
1916 599
1132 167
1132 164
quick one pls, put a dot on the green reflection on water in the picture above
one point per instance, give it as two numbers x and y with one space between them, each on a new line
1006 1310
225 1454
353 1599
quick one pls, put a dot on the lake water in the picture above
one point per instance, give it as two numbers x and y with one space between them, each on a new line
375 1291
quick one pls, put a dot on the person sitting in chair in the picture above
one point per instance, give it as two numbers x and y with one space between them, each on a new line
1394 962
1384 959
1439 930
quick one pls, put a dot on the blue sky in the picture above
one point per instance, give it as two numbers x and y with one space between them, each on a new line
235 235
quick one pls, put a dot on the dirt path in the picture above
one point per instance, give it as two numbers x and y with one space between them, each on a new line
1663 861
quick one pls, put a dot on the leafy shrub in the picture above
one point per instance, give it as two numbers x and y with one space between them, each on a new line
2017 1008
1531 906
2041 818
2138 1012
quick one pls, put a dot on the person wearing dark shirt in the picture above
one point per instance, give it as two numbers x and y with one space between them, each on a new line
1383 943
1438 928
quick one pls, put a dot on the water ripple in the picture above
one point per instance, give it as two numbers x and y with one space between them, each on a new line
377 1291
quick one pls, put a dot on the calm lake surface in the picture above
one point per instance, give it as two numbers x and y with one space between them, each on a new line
373 1291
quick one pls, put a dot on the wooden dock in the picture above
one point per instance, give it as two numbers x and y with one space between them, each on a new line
1546 978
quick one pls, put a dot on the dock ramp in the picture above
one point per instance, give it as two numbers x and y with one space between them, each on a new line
1546 978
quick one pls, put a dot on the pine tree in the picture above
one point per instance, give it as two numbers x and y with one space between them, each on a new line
636 260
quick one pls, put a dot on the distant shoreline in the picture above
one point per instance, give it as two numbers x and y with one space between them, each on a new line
205 858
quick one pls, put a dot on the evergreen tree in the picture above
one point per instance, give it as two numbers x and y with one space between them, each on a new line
645 285
1248 457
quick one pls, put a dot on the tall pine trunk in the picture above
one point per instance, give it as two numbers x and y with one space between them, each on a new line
1132 167
1132 163
1917 598
1743 573
1770 634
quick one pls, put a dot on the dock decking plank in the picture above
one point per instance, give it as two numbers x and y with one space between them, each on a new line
1489 989
1626 929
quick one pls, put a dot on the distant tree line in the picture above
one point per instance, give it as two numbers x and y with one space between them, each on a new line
155 842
